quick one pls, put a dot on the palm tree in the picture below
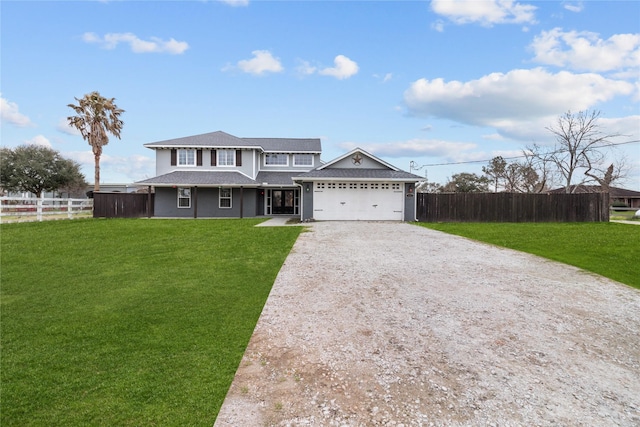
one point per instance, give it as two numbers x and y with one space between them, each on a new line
96 116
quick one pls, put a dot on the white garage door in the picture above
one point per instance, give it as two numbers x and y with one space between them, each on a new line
358 201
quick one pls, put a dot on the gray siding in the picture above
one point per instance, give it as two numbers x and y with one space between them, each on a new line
365 163
307 201
249 163
166 203
409 202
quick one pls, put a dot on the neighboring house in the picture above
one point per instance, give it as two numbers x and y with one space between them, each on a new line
219 175
616 195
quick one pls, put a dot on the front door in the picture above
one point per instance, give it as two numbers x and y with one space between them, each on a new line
282 202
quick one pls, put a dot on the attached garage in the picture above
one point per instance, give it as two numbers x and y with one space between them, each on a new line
358 186
358 201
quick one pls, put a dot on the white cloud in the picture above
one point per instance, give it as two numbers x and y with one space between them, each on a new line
628 127
64 127
114 168
135 167
575 6
412 148
154 45
10 113
344 68
262 62
512 100
85 158
235 3
305 68
485 12
587 51
493 137
384 79
438 25
39 140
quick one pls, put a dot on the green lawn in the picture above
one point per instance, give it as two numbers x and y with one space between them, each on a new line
609 249
623 215
129 322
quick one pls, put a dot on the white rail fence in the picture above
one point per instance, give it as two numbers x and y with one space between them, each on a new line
14 209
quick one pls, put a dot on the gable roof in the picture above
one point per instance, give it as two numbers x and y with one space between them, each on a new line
225 140
387 172
361 151
360 174
212 139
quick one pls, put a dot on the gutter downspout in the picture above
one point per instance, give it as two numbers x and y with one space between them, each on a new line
415 201
301 198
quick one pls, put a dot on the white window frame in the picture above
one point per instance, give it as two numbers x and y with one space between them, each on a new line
267 155
227 196
186 157
227 155
184 193
302 155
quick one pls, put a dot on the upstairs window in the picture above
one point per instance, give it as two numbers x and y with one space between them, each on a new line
226 157
303 160
186 157
276 159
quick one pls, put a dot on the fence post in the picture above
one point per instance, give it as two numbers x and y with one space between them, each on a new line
39 209
69 209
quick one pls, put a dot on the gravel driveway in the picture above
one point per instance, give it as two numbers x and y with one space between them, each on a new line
390 324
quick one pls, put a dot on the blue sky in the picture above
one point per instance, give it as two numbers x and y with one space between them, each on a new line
438 83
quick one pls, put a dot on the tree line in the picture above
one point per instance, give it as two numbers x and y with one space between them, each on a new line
578 158
581 147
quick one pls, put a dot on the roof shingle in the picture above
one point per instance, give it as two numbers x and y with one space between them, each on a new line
223 139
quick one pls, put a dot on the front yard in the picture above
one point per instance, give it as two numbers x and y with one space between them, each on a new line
129 322
608 249
144 322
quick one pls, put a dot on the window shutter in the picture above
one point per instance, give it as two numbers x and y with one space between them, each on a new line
198 157
238 157
174 157
214 157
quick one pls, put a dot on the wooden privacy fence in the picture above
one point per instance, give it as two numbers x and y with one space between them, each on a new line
14 209
512 207
122 205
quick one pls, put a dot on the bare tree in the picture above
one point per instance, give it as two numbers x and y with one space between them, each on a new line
538 169
521 177
580 144
495 171
605 177
96 116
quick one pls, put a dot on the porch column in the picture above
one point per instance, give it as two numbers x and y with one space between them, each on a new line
195 202
149 202
241 201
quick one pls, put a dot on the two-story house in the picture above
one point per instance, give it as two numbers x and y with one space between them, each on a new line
219 175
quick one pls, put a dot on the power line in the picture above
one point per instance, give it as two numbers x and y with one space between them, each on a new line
520 157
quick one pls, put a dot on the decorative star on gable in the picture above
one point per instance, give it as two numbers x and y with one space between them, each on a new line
357 159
